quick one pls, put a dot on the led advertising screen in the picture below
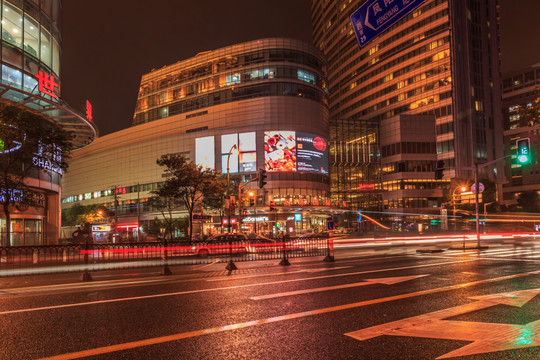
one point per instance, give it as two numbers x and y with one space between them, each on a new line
311 153
279 151
295 151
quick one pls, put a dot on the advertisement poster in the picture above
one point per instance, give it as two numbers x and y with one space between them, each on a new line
248 162
279 151
311 153
204 152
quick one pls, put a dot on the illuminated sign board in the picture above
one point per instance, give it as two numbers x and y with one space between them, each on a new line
48 160
243 158
369 186
295 151
89 115
204 152
312 153
101 228
46 84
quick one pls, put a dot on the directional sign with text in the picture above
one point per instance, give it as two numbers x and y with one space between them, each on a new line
375 16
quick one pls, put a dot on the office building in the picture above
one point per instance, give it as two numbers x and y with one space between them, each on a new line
441 60
521 89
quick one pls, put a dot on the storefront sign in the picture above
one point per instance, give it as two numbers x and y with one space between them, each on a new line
366 186
48 160
251 219
101 228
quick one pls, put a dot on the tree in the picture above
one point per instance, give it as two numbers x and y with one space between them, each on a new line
190 184
79 214
529 201
28 142
153 227
166 201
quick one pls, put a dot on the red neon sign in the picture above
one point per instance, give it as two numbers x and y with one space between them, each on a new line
46 83
366 186
89 111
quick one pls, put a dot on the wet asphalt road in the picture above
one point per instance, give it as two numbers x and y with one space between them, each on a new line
426 306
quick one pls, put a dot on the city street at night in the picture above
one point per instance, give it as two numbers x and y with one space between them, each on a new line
382 303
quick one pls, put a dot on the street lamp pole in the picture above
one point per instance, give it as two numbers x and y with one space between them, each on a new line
462 188
229 188
230 266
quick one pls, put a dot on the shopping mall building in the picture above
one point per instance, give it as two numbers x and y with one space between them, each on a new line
256 105
31 80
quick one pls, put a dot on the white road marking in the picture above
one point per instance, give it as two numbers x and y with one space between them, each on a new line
218 329
224 288
386 281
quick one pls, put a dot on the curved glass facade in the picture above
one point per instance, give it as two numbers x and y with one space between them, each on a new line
30 42
228 78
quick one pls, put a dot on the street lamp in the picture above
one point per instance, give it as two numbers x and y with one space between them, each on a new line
233 148
230 266
252 203
463 189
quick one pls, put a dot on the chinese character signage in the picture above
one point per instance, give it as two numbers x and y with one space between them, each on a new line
46 84
89 115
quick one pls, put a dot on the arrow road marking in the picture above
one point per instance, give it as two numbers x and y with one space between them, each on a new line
386 281
485 337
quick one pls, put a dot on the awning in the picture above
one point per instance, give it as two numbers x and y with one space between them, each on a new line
84 131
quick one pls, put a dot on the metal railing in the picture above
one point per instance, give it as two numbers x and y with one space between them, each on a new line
29 260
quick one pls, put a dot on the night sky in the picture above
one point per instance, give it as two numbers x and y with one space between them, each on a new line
108 45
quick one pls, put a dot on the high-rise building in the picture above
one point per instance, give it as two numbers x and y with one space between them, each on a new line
30 81
521 90
256 105
441 60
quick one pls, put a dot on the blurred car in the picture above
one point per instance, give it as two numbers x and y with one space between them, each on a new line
222 244
261 244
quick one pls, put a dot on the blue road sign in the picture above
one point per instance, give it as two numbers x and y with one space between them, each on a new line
375 16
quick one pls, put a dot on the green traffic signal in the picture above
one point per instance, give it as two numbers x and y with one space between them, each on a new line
523 150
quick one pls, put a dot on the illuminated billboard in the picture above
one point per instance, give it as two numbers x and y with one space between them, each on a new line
286 151
243 156
204 152
279 151
311 153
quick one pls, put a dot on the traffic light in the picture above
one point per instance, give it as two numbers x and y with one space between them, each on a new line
262 177
244 212
523 150
251 201
439 170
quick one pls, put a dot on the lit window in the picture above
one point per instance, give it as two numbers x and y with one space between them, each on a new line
306 76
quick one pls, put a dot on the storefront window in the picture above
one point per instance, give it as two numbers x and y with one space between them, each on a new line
11 24
32 233
17 236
